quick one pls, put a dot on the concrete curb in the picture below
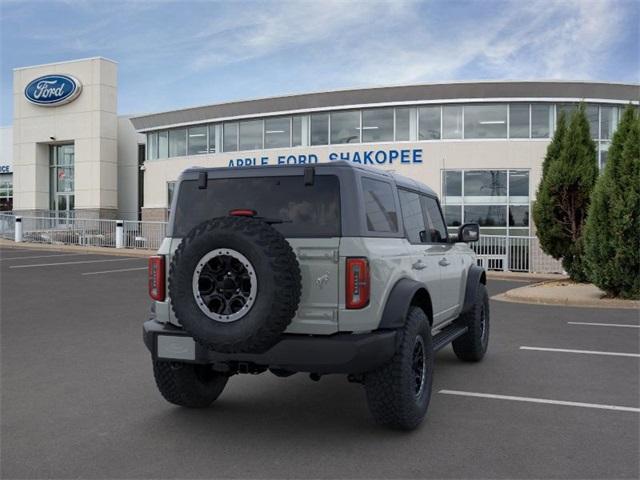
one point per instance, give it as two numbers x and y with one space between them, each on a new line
125 252
543 294
525 277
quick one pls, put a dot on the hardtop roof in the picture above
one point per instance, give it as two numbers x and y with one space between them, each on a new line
400 180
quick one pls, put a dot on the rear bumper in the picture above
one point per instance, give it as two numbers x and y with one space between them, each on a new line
339 353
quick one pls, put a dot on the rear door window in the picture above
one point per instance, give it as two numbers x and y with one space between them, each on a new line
412 217
435 220
305 210
380 206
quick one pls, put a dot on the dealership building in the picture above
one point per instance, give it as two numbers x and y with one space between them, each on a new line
479 145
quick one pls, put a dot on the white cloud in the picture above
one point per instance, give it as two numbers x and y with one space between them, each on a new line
255 30
540 39
402 42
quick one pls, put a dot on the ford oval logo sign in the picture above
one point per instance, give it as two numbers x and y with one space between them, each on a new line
53 90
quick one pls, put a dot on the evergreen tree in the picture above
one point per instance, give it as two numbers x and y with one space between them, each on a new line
555 147
612 238
549 232
563 197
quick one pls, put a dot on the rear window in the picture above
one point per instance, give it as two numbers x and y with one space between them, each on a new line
380 206
307 210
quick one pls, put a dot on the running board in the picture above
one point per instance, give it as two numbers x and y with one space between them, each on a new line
447 335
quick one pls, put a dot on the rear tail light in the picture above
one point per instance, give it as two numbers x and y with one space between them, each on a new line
358 286
242 212
156 277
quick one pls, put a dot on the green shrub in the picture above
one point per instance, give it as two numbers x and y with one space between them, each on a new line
612 233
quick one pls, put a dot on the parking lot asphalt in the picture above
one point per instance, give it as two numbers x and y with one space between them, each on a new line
78 398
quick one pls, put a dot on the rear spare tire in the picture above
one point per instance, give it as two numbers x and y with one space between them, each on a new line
234 284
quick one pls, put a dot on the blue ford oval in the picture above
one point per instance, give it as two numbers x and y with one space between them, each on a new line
52 90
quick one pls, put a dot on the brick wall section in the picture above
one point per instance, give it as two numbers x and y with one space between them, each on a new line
154 215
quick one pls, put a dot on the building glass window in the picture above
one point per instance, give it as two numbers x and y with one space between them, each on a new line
152 146
6 192
453 215
568 109
485 200
429 123
604 152
412 216
541 120
592 116
230 137
345 127
320 129
482 186
403 124
486 215
519 120
61 184
212 138
197 140
608 122
380 208
452 121
519 186
377 125
277 132
251 135
178 142
163 144
519 216
296 131
485 121
452 183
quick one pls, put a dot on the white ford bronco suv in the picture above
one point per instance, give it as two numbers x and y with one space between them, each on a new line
323 268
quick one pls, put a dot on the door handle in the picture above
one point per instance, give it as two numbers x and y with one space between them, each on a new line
418 265
443 262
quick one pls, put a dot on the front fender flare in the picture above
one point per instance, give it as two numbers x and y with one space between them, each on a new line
475 277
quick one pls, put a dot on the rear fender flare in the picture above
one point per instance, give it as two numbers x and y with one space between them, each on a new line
404 294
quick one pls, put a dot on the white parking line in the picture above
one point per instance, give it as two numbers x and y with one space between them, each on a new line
42 256
605 324
590 352
542 400
114 271
76 263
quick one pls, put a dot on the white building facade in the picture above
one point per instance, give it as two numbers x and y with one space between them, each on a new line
66 152
480 145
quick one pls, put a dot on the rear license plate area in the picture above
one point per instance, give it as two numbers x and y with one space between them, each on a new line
173 347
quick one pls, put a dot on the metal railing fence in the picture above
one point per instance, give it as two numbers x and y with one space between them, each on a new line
495 252
95 232
69 231
147 235
7 226
516 254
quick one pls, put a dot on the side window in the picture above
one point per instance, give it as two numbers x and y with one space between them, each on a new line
412 215
380 207
437 229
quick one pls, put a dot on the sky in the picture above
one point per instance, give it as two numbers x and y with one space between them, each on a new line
176 54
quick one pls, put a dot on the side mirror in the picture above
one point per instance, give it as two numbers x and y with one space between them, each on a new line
469 232
423 236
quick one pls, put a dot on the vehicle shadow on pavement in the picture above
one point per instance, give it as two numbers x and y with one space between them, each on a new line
290 407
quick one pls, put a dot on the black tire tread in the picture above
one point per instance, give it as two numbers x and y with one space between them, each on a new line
470 347
390 402
180 385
